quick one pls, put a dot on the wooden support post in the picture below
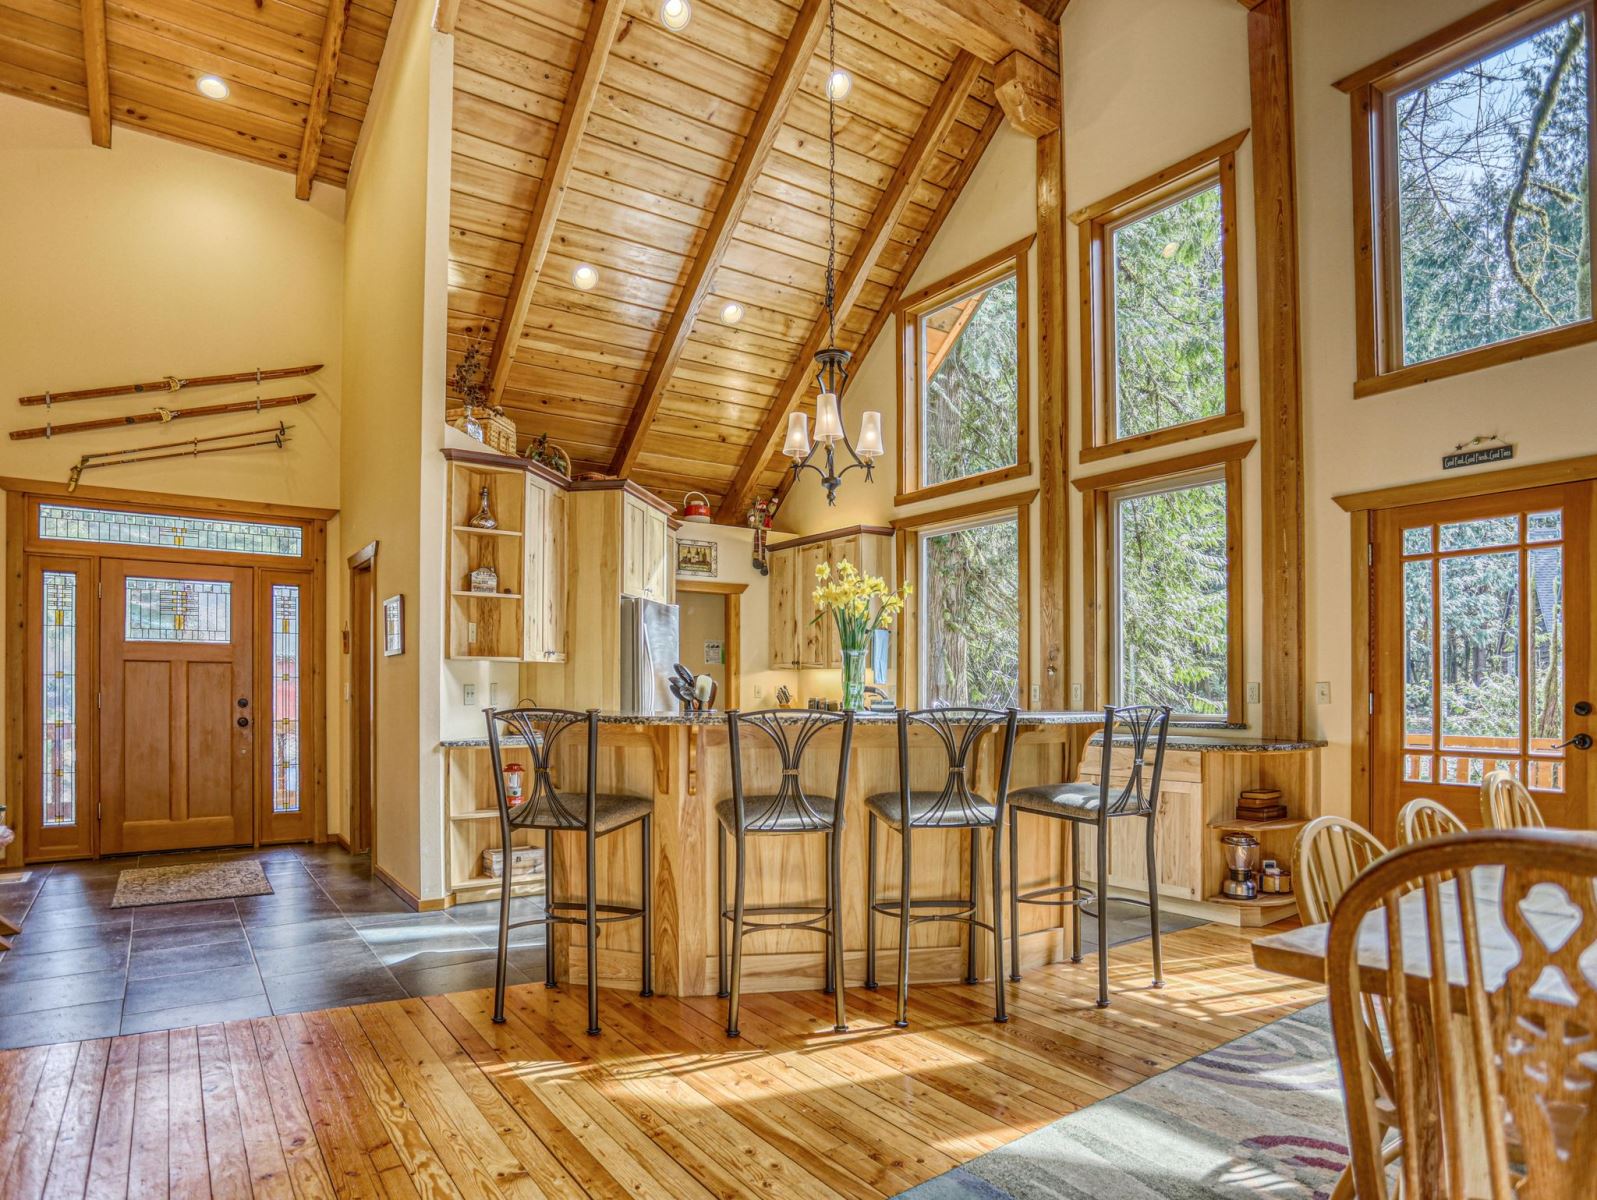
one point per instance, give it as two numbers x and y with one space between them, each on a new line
1280 368
1053 462
97 72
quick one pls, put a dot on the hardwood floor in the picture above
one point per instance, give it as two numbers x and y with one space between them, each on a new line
426 1097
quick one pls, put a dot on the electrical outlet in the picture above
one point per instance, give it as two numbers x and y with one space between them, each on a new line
471 633
1036 694
1322 693
1253 693
468 695
1075 695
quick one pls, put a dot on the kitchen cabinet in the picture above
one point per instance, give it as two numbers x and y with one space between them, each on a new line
784 610
797 639
544 632
647 566
812 644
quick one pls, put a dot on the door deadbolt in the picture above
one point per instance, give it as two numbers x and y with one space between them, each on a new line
1583 708
244 723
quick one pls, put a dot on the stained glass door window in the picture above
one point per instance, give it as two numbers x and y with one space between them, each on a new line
59 688
286 795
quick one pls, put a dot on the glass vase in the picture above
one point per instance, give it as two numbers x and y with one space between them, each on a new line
853 679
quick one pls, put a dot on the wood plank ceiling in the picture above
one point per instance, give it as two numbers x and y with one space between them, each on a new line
651 198
142 72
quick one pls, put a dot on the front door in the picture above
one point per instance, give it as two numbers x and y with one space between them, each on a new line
1482 612
176 734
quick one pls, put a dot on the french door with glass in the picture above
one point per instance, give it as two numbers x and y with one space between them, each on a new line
1482 612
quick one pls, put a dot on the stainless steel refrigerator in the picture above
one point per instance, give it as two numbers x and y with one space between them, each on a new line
649 649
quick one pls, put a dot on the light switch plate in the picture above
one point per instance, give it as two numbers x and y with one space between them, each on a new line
468 695
1036 693
493 695
1322 693
1253 693
1075 695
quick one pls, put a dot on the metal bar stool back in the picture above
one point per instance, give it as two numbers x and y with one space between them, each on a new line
954 805
591 813
788 810
1143 730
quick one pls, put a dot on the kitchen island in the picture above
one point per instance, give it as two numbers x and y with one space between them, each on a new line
682 761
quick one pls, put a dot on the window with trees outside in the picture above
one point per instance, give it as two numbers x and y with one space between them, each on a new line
1474 242
963 382
1159 265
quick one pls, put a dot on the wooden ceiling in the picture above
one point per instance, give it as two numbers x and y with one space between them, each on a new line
300 72
690 169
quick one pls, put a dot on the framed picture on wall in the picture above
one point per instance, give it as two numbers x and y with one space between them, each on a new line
696 558
394 625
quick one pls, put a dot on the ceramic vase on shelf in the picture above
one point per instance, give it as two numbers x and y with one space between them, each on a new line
859 604
484 517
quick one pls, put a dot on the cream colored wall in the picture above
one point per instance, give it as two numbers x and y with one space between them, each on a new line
735 564
703 619
159 259
1542 405
392 473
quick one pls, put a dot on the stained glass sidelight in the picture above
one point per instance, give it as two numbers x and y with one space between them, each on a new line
179 610
285 698
170 532
60 710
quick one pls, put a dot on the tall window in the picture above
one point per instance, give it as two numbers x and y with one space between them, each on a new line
971 585
964 389
1475 232
59 688
1160 360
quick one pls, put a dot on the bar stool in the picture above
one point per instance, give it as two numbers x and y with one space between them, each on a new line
789 810
953 807
591 813
1090 804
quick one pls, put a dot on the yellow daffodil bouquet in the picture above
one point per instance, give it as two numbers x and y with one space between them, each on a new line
860 604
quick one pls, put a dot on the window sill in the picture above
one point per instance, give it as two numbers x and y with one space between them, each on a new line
1478 359
968 484
1172 435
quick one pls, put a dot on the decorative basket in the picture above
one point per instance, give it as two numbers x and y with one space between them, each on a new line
498 433
546 454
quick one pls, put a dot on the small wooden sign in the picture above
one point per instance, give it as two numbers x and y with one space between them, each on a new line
1474 458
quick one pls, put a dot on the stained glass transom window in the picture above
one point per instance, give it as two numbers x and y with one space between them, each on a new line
169 532
60 782
179 610
285 698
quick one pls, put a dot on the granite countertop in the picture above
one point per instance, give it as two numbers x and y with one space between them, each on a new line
1188 741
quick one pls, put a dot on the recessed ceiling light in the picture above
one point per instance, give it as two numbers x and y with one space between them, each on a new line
839 83
213 86
584 277
731 312
675 14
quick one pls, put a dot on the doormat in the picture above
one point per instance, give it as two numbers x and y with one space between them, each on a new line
190 881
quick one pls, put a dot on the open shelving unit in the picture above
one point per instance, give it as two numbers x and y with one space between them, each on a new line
474 824
486 625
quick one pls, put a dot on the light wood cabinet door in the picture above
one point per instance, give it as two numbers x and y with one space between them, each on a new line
813 637
634 516
535 517
784 611
656 539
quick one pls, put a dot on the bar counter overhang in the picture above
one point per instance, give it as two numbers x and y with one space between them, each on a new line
681 759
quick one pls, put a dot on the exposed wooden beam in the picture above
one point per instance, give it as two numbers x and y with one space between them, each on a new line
445 15
1280 367
890 302
310 146
97 71
784 85
1028 92
989 29
604 23
939 119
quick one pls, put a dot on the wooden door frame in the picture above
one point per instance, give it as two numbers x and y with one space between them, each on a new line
1361 508
732 594
23 544
360 827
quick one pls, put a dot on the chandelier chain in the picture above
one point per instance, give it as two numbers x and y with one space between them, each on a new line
831 174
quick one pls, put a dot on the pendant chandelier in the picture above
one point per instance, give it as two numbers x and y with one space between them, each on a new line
831 443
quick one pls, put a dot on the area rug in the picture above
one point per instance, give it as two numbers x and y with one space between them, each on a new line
189 881
1260 1116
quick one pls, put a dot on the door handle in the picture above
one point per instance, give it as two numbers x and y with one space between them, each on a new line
1581 741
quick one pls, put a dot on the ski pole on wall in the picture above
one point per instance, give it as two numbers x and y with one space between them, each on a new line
193 448
170 384
161 415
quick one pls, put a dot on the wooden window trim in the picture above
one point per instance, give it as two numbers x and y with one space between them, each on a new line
1371 92
1099 493
1012 259
910 532
1097 222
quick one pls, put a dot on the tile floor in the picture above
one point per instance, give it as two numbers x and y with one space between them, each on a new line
329 934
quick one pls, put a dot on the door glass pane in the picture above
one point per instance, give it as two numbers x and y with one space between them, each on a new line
1418 696
970 615
1545 568
72 524
1417 768
1480 667
60 691
179 610
1417 541
285 698
1544 527
1489 531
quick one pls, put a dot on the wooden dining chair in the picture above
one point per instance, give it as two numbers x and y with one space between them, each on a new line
1506 804
1497 1085
1421 819
1328 855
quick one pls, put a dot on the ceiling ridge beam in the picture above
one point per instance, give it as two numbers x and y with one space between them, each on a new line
890 302
310 146
784 85
603 27
929 138
990 29
97 69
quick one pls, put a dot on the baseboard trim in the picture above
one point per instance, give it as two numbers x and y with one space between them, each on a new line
416 903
